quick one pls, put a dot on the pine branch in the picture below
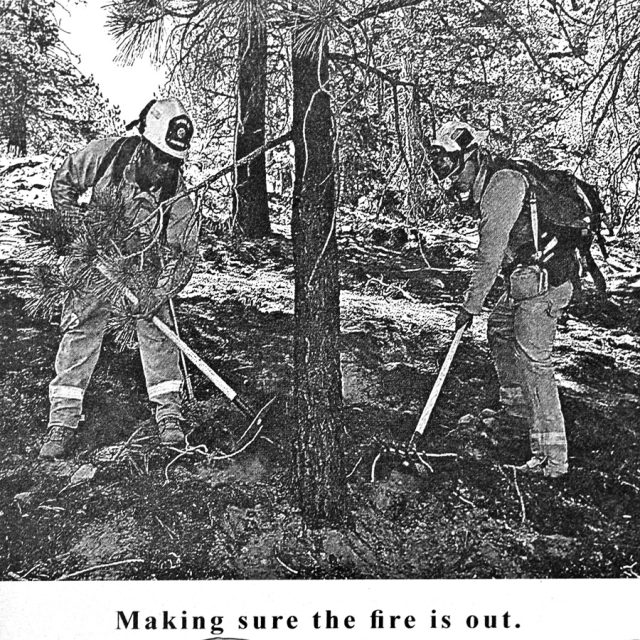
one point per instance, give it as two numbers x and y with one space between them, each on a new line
392 80
375 10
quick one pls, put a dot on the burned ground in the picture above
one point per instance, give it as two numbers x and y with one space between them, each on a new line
151 515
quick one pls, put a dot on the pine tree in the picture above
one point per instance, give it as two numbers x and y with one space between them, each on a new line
318 473
106 250
46 102
223 77
252 206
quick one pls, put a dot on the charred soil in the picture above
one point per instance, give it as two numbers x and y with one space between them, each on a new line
163 515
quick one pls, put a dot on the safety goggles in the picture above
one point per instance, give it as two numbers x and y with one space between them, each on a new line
443 163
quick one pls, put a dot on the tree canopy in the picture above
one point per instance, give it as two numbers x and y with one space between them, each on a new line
46 101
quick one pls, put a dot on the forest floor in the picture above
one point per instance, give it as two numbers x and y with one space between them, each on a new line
150 515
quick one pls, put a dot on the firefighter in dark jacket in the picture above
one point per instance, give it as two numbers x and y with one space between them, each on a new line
150 174
522 326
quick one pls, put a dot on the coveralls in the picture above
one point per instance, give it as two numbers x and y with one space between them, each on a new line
84 317
521 334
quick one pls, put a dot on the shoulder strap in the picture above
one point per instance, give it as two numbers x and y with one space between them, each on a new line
535 223
119 154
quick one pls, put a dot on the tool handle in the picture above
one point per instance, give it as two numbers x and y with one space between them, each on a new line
435 391
183 361
195 358
244 406
188 352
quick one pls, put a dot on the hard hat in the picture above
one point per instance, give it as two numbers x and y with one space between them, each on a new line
168 127
456 136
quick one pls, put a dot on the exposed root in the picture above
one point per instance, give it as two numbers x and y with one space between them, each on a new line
424 462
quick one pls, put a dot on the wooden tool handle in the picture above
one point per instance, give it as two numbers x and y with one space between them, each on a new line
435 391
186 349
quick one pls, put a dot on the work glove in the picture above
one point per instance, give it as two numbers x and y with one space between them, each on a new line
463 319
149 306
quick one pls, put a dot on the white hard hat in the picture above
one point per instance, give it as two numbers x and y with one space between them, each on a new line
457 136
168 127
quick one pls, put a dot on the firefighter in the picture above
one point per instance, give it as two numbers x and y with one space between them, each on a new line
142 171
522 326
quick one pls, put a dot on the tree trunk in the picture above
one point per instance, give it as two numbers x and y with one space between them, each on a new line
318 474
251 202
16 120
415 141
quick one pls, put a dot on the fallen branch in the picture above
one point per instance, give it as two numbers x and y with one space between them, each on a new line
461 497
373 467
19 165
424 462
16 576
389 285
355 467
171 533
287 567
66 576
240 450
515 482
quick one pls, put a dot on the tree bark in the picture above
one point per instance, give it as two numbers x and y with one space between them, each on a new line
418 172
16 119
318 474
251 201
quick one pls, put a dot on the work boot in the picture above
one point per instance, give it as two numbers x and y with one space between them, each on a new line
543 466
170 431
58 442
534 466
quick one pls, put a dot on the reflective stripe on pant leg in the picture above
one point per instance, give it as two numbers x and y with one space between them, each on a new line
84 320
170 386
535 328
65 405
65 391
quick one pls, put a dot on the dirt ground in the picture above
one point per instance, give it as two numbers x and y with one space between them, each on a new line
147 515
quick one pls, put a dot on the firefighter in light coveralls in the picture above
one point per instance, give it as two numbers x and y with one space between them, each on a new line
144 171
522 326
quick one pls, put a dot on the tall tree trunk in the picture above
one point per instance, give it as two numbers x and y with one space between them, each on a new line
414 135
16 120
319 475
251 203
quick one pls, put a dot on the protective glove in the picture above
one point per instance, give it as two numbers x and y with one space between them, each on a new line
463 319
149 305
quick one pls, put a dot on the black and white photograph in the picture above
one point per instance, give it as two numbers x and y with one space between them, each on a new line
308 290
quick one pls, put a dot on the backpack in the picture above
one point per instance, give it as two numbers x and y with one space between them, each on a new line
569 208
